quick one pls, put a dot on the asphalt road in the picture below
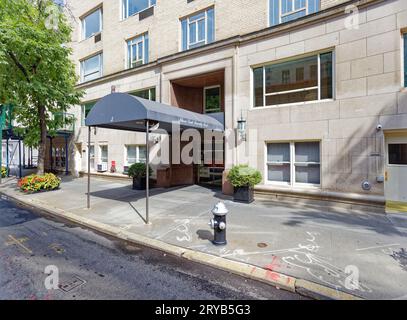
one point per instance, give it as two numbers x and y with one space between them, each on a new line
92 266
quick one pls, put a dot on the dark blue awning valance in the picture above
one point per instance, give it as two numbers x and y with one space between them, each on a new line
122 111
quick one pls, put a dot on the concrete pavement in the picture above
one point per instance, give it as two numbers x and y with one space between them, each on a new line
327 247
95 267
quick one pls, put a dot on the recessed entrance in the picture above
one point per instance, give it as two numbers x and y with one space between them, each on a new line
204 94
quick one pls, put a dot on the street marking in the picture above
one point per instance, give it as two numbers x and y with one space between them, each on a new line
19 242
379 247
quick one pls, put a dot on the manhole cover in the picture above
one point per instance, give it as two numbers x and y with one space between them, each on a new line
72 284
262 245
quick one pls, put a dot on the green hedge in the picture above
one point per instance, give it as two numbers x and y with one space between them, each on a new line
244 176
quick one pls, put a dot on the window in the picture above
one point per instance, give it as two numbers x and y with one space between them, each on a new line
104 154
85 111
148 94
287 10
137 51
92 157
294 163
92 24
405 59
198 30
135 154
212 99
398 154
91 68
132 7
273 85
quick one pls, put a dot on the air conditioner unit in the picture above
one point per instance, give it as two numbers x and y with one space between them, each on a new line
102 167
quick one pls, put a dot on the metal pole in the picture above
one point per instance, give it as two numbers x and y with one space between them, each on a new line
7 157
19 158
24 156
50 154
66 156
89 129
147 171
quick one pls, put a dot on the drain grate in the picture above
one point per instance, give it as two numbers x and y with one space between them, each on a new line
68 286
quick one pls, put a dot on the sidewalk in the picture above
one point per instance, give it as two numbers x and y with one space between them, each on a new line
322 247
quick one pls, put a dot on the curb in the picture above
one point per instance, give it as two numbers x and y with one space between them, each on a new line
278 280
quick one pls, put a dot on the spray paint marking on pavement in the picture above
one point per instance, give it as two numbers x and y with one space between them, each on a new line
19 242
378 247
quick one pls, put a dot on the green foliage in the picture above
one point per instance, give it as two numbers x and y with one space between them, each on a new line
3 172
36 71
138 170
243 176
36 183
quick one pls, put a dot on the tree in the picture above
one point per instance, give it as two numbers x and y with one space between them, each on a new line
37 75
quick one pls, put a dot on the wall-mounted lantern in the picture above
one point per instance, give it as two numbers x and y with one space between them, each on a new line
241 127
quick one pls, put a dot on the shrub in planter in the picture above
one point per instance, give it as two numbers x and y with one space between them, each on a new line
37 183
137 171
3 172
243 179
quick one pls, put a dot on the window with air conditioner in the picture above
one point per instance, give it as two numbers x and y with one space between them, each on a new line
92 68
92 24
132 7
137 51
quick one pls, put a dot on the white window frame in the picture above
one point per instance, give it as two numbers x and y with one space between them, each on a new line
83 23
125 4
293 91
204 98
189 23
100 71
282 15
126 154
135 42
293 183
100 153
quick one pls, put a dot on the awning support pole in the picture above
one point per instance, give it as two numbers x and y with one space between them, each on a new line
88 194
147 171
66 156
20 172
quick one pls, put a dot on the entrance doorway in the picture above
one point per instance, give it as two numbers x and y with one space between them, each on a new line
204 93
396 172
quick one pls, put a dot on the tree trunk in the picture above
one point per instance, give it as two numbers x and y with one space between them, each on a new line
43 141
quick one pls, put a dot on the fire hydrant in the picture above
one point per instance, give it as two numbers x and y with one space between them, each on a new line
218 223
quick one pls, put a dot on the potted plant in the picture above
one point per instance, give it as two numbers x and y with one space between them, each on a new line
3 172
243 178
137 171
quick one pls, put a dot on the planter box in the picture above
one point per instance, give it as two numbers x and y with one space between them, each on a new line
243 194
139 183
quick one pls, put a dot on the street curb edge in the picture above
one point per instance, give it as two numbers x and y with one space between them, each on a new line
276 279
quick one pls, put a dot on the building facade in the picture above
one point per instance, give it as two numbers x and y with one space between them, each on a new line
319 83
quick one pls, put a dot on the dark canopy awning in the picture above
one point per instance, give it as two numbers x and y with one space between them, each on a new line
122 111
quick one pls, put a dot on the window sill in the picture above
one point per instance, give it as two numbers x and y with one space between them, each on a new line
292 104
90 37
